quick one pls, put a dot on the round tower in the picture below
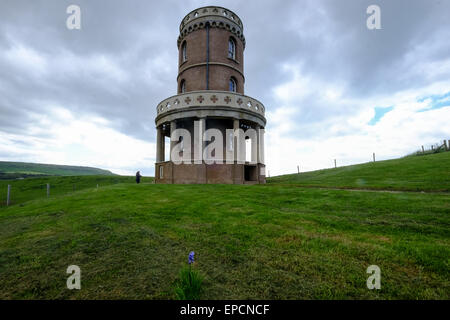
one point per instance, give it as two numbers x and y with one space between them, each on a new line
216 132
211 51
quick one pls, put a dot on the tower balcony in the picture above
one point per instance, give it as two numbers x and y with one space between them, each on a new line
210 103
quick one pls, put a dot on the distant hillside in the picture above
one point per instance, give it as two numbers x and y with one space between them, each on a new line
413 173
23 190
13 170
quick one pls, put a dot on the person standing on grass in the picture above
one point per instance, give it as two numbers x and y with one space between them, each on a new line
138 177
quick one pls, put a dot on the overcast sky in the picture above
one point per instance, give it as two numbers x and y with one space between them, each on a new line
332 88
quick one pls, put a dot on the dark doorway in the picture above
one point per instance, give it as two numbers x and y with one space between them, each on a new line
250 172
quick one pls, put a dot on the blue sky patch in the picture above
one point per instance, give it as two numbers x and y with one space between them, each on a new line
379 113
437 101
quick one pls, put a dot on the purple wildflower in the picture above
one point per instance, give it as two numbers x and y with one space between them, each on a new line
191 257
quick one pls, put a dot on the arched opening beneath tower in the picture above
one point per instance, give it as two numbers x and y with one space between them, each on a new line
248 150
166 148
250 173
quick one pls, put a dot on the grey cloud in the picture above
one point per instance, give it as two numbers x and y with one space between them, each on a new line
329 39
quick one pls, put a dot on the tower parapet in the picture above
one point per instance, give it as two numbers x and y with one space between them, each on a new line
218 17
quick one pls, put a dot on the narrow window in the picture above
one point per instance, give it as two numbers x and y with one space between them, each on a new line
232 86
183 86
161 172
231 49
183 52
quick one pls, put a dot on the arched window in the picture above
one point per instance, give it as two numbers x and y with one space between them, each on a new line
232 85
183 52
183 86
231 48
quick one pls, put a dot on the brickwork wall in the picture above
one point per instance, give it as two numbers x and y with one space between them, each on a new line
219 75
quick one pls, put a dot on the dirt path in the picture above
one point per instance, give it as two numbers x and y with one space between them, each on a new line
366 190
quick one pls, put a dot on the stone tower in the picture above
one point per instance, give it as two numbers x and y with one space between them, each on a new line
216 132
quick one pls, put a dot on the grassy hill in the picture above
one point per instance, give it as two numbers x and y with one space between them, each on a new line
23 190
274 241
12 170
413 173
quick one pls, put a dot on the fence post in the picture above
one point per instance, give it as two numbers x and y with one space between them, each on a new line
423 150
374 157
48 190
298 169
335 163
9 194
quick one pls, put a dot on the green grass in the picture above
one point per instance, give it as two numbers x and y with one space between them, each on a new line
189 286
12 170
413 173
273 241
36 188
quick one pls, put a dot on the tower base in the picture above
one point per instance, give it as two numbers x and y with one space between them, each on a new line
170 173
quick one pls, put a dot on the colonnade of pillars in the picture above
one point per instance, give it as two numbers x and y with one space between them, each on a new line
257 148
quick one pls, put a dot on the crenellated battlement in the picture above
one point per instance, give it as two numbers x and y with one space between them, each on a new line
217 17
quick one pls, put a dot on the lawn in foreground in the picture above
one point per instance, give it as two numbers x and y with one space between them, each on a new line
251 242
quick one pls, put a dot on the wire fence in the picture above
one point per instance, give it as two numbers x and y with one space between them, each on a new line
443 146
22 190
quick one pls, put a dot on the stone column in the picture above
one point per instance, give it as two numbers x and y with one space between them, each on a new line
261 145
257 147
173 126
163 146
199 130
202 168
236 140
158 144
238 170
